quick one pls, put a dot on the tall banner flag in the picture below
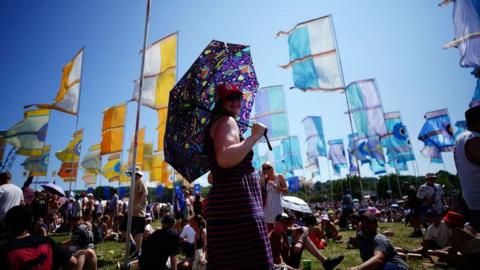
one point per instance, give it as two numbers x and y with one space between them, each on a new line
312 169
275 157
89 178
68 171
358 146
92 162
377 159
29 134
316 146
140 142
147 156
292 155
352 161
436 134
159 72
72 152
271 111
160 172
460 127
68 95
397 141
466 19
336 154
37 165
313 56
162 122
366 108
112 168
113 129
293 184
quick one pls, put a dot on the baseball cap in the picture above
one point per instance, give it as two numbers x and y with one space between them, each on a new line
226 89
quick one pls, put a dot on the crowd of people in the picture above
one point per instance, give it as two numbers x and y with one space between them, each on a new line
241 224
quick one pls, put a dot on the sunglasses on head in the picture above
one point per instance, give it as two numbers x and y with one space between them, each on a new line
234 97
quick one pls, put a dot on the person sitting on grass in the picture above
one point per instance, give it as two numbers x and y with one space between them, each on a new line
286 254
437 235
376 250
328 229
25 251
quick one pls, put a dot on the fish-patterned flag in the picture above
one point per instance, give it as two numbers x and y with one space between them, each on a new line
68 95
112 168
72 152
92 161
315 137
29 134
113 129
436 134
313 56
336 154
37 165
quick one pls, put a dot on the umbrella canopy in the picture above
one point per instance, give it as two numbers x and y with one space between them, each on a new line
54 189
296 204
193 98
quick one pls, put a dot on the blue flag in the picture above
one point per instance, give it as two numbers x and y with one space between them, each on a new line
436 134
336 154
291 154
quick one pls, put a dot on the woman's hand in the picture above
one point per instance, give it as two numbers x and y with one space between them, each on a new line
258 130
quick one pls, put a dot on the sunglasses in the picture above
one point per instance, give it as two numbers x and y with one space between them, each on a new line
234 97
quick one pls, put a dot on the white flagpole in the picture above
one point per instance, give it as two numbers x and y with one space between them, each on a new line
137 124
343 85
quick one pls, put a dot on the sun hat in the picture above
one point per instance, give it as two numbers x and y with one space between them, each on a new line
137 171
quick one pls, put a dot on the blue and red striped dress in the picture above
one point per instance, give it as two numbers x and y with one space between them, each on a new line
236 231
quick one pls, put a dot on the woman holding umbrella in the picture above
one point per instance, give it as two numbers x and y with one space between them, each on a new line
234 210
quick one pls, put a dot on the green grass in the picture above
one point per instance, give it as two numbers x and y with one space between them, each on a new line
110 252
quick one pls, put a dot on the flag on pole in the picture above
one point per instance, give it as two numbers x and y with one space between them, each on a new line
29 134
160 172
313 56
358 146
315 137
292 155
271 111
466 18
436 134
68 171
397 140
366 108
336 154
147 156
124 178
275 157
89 178
113 129
92 162
72 152
377 159
293 184
69 93
112 168
37 165
159 72
353 168
311 168
162 122
140 143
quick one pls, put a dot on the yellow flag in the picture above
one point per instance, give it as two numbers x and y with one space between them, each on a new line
123 177
159 72
69 92
162 123
147 156
140 142
72 152
111 169
160 172
113 129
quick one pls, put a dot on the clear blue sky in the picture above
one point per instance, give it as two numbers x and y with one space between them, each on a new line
397 42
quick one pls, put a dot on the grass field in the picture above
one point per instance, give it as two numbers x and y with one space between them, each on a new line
110 252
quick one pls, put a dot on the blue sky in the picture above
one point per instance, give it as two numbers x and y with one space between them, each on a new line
397 42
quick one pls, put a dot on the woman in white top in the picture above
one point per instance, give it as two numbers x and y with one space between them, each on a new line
275 186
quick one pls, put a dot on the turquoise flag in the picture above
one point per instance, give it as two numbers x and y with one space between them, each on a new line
270 110
291 154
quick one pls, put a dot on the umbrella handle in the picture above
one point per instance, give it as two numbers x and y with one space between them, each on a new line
268 141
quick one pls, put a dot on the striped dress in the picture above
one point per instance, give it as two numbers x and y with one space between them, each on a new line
237 235
273 205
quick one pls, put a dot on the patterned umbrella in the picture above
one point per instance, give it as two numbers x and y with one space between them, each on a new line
193 97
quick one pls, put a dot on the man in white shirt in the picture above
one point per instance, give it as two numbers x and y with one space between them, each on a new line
10 194
438 233
467 161
431 194
187 238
